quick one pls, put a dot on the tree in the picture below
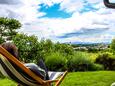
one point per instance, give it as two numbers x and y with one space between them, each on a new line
8 27
28 47
112 45
66 49
47 45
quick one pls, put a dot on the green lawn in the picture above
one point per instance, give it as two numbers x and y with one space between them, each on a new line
98 78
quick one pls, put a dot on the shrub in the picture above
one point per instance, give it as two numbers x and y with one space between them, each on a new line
107 60
94 50
95 67
55 61
79 62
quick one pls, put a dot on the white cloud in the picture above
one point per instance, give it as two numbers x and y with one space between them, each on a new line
50 28
23 10
27 11
94 1
71 5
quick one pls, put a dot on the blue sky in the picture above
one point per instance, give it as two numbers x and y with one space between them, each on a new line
87 21
54 12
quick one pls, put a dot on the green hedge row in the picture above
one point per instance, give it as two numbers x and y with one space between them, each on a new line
107 60
79 61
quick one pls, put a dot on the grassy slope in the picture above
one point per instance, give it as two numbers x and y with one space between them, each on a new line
98 78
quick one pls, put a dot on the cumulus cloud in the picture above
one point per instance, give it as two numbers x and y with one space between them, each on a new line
71 5
99 22
23 10
94 1
94 23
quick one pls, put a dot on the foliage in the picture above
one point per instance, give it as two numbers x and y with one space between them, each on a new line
28 47
107 60
8 27
94 50
46 46
56 61
67 49
1 40
56 55
79 62
93 56
31 49
112 45
95 67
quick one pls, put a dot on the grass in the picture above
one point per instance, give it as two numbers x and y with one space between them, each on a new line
97 78
7 82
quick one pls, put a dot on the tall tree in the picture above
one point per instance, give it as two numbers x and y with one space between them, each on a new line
8 27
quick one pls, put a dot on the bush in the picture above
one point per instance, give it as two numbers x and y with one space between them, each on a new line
55 62
95 67
107 60
79 62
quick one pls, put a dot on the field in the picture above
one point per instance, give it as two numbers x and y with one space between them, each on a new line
97 78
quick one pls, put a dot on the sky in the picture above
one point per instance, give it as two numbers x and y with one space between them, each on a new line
65 21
